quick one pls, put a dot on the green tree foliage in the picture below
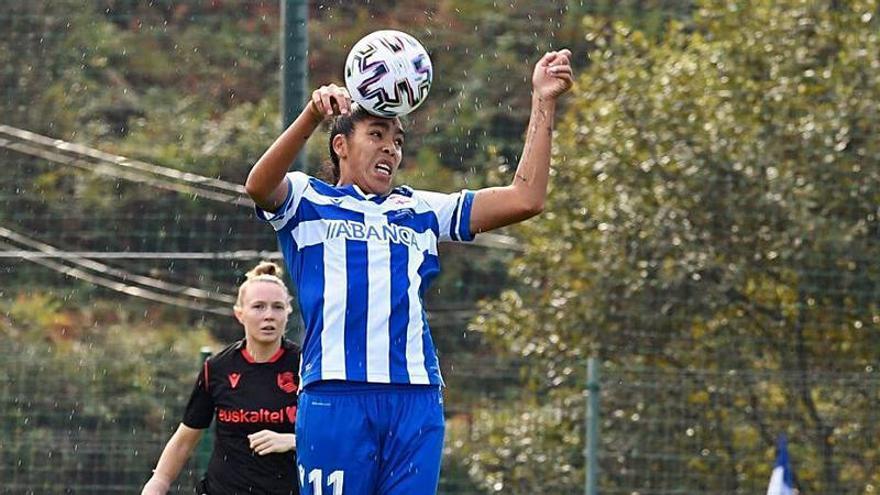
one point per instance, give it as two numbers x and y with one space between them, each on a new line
714 208
91 394
193 85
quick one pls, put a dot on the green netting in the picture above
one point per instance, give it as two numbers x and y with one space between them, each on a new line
74 424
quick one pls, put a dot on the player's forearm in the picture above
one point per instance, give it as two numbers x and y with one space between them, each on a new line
496 207
176 453
533 170
172 461
269 171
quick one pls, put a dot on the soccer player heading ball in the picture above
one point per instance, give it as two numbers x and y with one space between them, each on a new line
362 253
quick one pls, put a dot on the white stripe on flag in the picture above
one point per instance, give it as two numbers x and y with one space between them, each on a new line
777 484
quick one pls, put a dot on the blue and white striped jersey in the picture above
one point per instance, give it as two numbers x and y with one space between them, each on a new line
361 265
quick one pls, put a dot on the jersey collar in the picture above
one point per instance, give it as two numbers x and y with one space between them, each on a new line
355 191
250 359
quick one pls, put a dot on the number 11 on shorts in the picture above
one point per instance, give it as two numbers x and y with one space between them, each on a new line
316 479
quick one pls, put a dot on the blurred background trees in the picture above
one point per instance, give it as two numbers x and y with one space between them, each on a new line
711 234
714 208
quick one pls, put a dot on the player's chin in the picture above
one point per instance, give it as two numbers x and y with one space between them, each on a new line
382 184
268 335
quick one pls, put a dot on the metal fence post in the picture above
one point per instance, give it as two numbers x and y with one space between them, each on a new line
591 450
294 63
294 84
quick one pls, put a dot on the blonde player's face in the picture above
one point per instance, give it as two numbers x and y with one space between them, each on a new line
263 312
371 155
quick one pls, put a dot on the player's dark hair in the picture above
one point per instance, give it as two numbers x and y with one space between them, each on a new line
342 124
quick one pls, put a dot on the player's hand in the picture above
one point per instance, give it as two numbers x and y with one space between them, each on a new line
552 75
329 100
269 442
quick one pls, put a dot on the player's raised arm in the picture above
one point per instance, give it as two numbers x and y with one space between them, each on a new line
265 183
496 207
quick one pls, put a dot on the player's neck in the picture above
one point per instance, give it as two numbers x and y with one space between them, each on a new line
262 352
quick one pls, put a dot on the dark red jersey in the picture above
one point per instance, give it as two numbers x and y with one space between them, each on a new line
244 397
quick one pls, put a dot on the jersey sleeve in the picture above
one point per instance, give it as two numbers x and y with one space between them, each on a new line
279 219
453 212
200 409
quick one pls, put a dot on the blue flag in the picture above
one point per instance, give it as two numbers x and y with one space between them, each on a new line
782 479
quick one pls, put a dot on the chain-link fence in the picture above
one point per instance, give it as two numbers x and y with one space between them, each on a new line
127 129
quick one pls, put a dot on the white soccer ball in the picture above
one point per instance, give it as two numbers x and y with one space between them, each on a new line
388 73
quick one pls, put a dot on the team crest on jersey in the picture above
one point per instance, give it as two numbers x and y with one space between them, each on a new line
401 200
285 382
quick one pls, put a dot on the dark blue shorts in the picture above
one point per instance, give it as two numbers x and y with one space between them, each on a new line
369 439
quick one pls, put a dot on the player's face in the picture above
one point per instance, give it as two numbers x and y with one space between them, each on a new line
371 155
263 312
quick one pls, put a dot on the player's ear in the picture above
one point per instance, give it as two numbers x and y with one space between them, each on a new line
236 310
340 145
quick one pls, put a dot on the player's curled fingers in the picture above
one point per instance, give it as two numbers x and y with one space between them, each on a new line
260 434
257 439
336 103
266 447
562 62
327 102
341 100
556 58
345 102
564 75
549 58
327 94
563 54
317 104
